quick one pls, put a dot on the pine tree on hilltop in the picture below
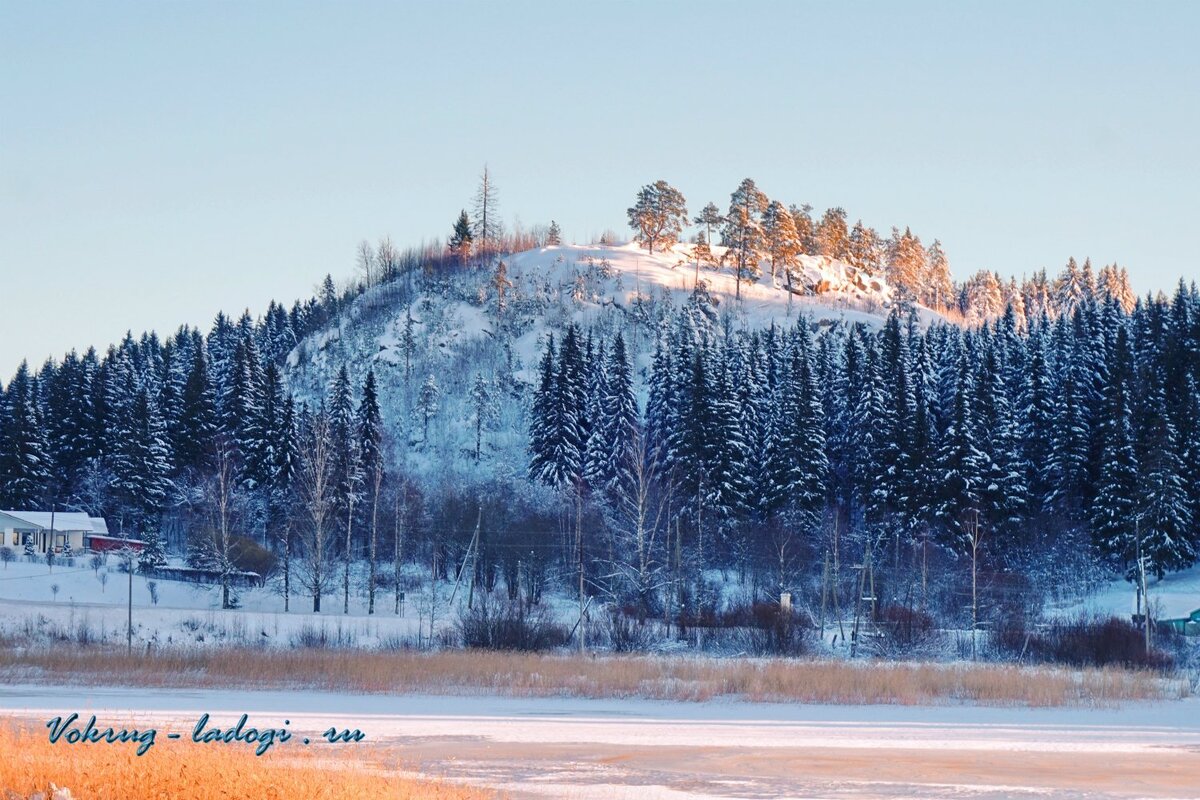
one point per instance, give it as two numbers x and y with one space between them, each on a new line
742 232
553 235
780 240
906 266
833 234
937 287
710 219
864 248
658 215
806 228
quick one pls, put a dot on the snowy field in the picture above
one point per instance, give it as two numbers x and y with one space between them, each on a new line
94 603
1176 595
624 749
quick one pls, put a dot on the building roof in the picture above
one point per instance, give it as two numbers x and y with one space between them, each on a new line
63 521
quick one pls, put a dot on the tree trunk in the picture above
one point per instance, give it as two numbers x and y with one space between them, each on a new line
346 572
371 565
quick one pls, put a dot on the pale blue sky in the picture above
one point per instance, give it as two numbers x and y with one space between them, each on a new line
163 160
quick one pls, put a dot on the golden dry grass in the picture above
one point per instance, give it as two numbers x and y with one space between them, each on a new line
32 765
684 679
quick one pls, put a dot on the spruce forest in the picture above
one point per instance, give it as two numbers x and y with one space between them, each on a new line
881 449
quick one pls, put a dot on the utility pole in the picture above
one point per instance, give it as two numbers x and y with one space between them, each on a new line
398 543
579 541
1143 591
129 630
474 557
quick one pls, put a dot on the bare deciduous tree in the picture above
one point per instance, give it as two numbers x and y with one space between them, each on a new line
315 487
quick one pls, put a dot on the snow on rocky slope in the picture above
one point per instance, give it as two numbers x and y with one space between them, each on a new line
459 331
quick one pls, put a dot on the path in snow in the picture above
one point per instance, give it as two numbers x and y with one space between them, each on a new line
577 748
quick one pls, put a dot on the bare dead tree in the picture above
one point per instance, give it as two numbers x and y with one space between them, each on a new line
364 258
485 219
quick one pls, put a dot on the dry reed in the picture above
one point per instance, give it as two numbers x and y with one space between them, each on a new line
528 675
33 766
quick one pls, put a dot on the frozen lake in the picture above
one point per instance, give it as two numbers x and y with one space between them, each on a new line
580 748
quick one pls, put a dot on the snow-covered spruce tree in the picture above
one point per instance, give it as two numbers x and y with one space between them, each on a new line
542 419
797 441
24 460
1165 525
408 343
197 418
369 431
461 242
484 410
67 418
596 445
620 421
1114 511
427 404
568 440
658 215
141 464
1070 289
280 519
347 470
967 492
553 235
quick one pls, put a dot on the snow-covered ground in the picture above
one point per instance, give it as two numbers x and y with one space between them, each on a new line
94 604
549 747
1176 595
458 331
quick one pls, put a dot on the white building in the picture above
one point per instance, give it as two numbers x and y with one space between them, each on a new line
47 530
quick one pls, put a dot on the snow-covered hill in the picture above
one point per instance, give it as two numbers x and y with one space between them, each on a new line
461 328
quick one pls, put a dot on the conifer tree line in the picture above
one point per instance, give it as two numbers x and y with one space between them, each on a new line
1019 447
196 445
